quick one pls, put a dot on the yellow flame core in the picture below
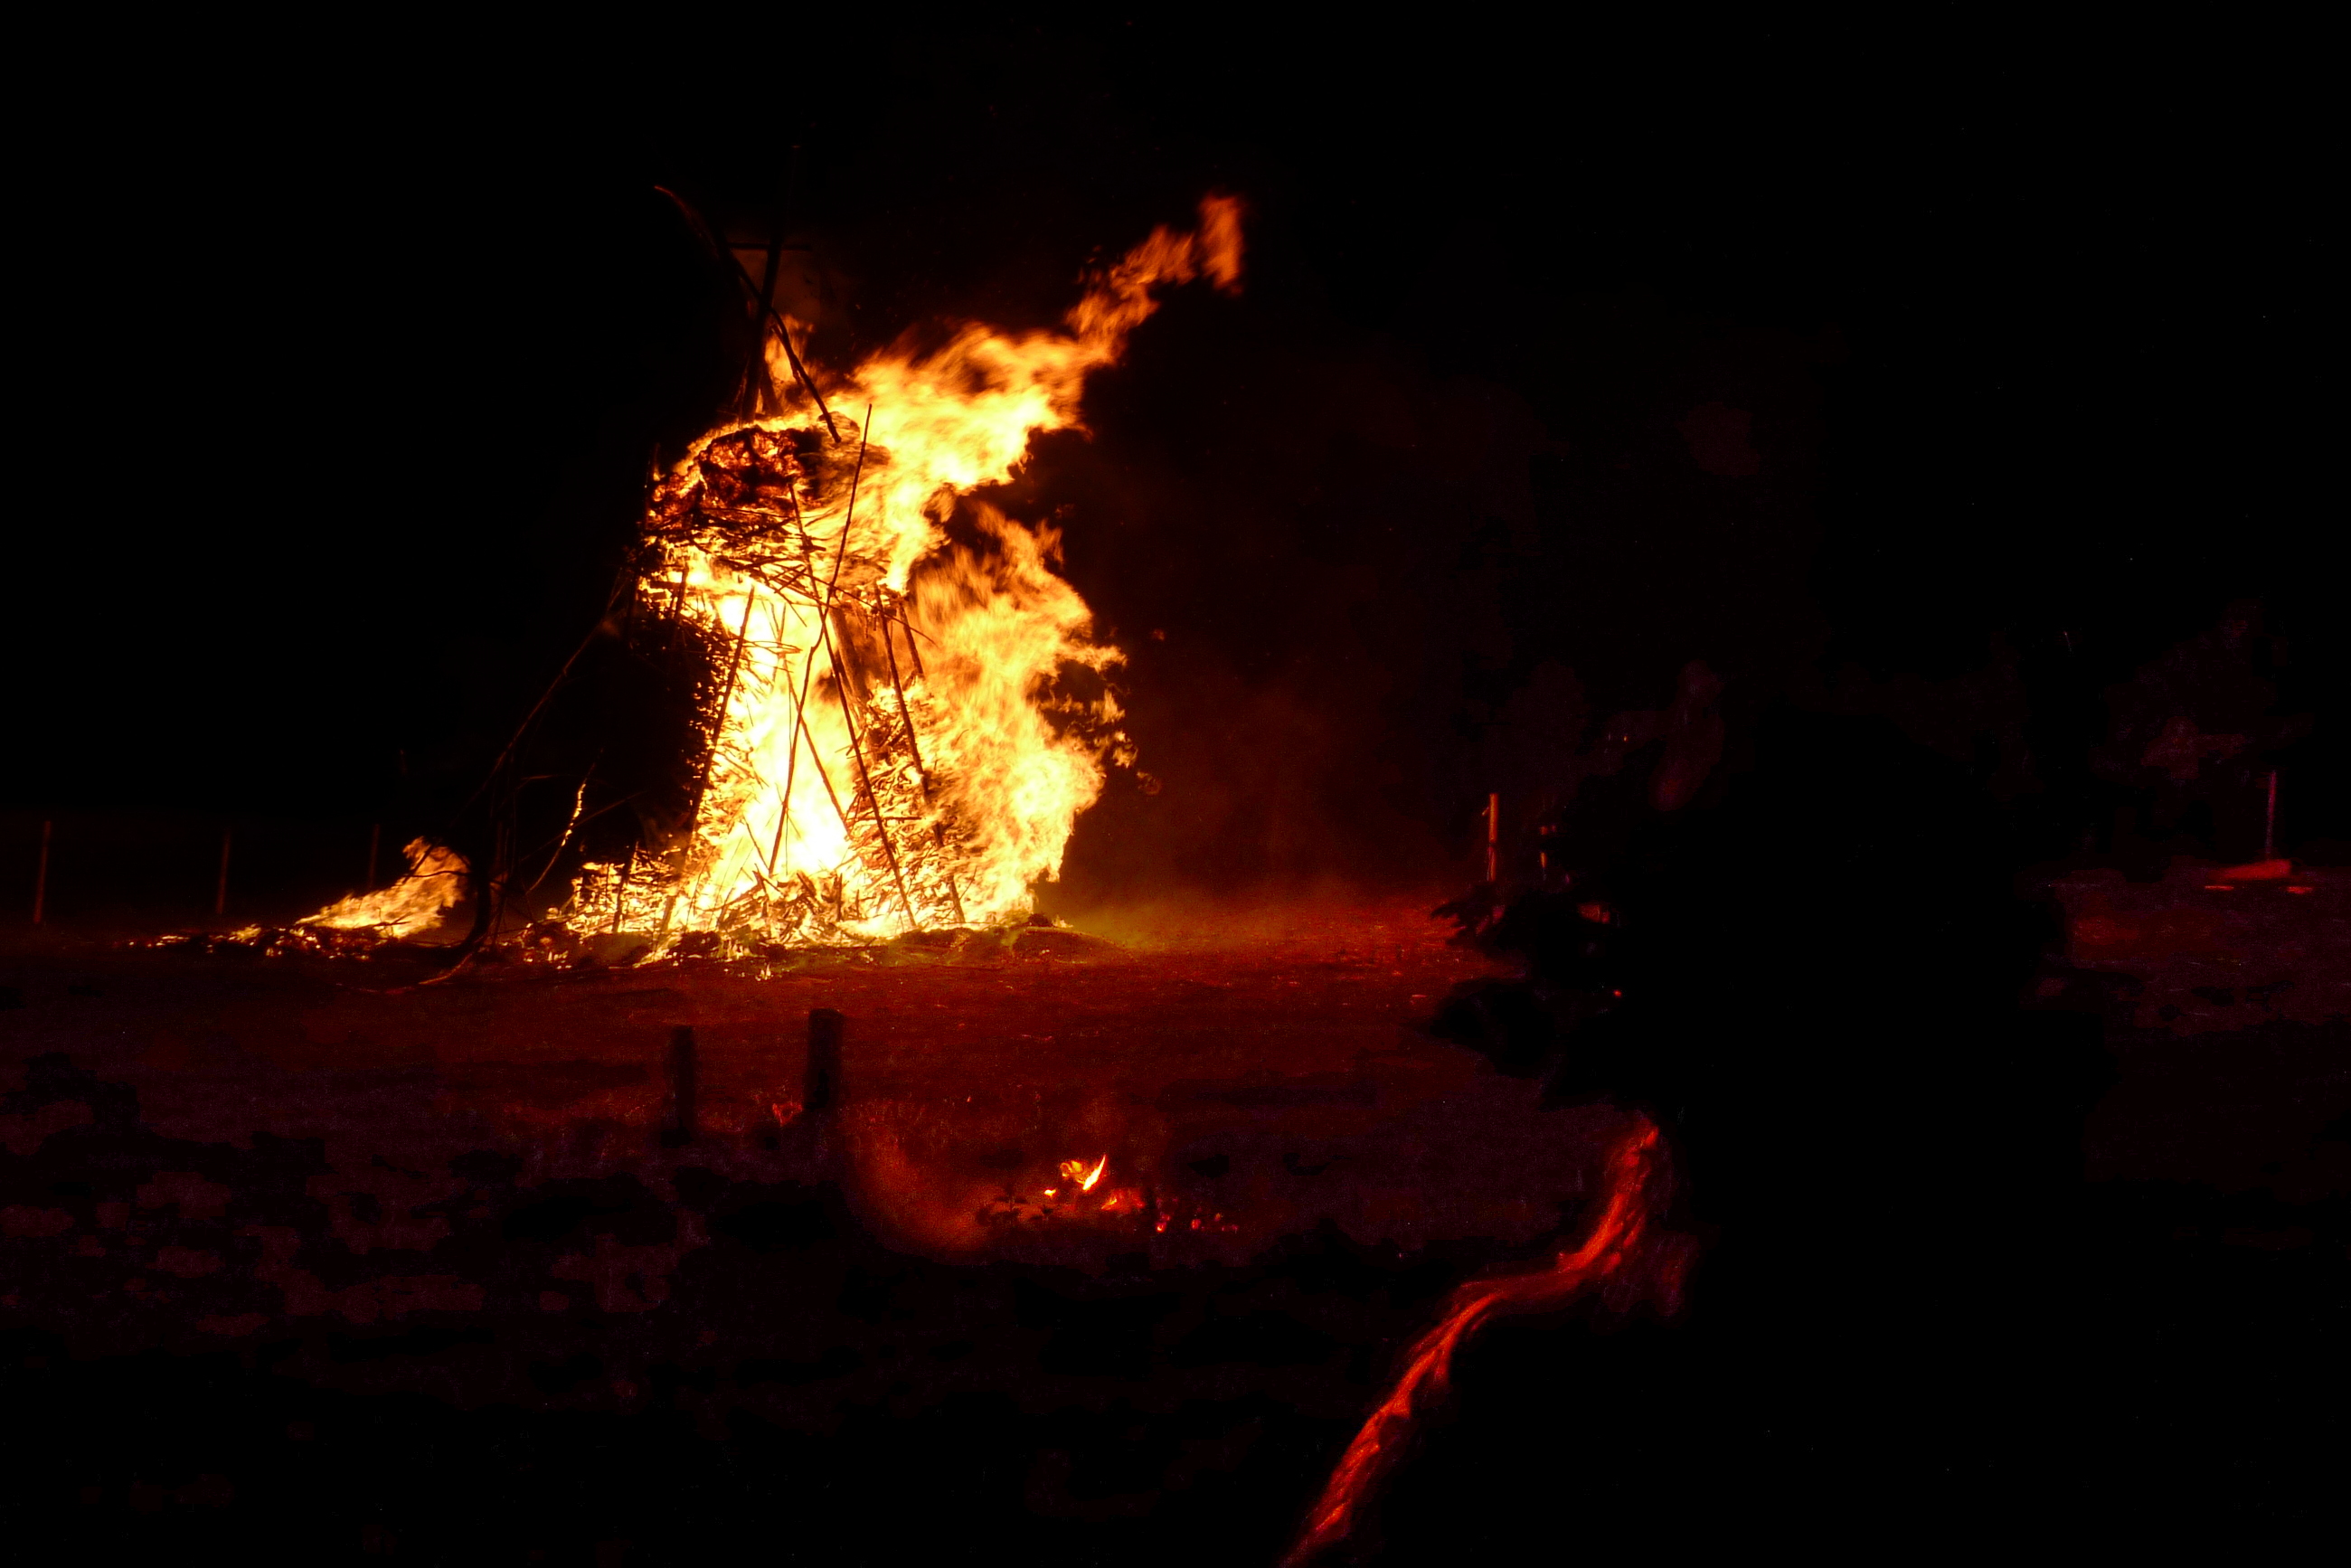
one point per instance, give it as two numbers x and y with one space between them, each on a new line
1076 1171
886 754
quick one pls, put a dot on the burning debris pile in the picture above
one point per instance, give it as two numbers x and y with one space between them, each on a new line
417 905
898 708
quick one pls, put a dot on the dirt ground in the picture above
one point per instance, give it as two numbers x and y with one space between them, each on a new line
2228 1008
326 1186
1279 1048
305 1259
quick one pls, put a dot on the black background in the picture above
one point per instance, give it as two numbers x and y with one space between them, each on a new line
342 382
340 374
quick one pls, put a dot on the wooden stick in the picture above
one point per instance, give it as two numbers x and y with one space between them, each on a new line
768 313
799 522
792 754
578 803
808 669
41 877
825 778
905 709
921 774
497 767
889 850
841 678
1493 837
710 757
769 400
840 551
913 647
220 889
791 768
2269 822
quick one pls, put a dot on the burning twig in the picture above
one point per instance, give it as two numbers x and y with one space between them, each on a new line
702 785
570 826
783 331
865 782
808 671
769 315
914 648
914 749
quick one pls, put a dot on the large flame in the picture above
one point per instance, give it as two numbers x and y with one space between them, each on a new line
837 805
892 743
415 907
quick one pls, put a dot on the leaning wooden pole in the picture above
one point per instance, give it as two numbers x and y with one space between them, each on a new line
770 315
709 759
840 676
921 774
824 778
824 627
865 779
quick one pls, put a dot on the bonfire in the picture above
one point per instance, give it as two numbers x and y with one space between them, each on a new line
888 741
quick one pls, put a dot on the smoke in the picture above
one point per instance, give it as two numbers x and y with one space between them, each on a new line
1360 591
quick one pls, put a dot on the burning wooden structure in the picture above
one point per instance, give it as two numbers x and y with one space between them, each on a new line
897 708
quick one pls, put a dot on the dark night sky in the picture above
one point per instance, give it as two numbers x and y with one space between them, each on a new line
345 392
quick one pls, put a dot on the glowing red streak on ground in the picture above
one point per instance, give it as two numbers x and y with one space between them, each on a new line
1638 1186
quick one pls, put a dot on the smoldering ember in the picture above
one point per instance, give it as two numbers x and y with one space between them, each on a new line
1028 828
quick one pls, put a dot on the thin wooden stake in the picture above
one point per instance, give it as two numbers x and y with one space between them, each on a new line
41 877
767 313
841 680
825 778
791 766
807 665
922 774
857 749
220 888
702 785
905 709
1493 837
914 645
2269 823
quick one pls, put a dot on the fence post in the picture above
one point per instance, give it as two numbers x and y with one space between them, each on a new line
1493 838
41 877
